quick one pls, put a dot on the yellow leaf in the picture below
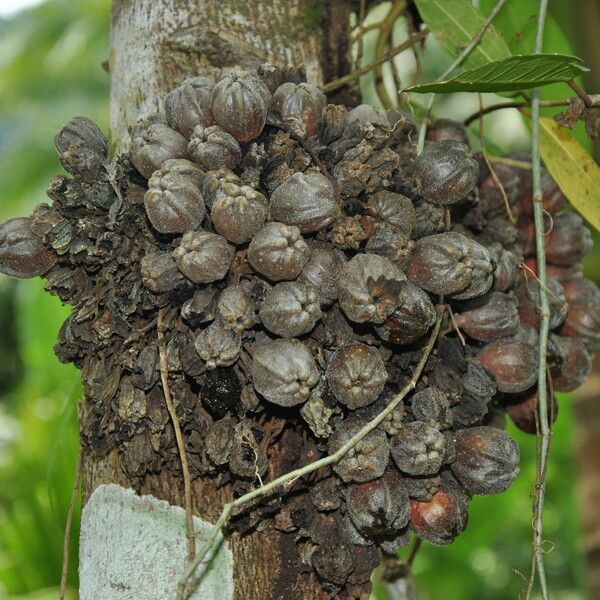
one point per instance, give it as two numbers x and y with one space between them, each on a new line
575 171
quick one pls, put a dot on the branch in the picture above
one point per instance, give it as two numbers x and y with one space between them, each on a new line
346 79
517 104
544 434
187 486
457 62
184 590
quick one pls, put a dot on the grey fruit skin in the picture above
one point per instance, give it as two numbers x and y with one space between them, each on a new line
451 264
284 372
153 143
306 200
203 257
218 346
303 102
356 375
369 457
174 201
238 212
188 105
418 449
235 308
394 210
367 288
160 273
212 148
240 105
379 507
82 149
322 270
445 172
290 309
278 252
487 460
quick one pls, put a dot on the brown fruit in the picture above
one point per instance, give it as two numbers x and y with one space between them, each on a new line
513 363
440 519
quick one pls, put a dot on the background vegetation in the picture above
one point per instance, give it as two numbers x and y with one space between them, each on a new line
50 70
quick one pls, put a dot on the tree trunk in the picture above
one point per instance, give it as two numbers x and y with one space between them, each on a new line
155 44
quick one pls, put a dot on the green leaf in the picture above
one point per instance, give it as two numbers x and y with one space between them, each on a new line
573 169
454 23
517 24
514 73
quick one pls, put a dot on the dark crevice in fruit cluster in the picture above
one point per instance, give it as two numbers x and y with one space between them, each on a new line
298 249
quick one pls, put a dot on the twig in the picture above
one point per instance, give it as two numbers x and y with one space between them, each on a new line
413 551
362 13
456 328
366 29
346 79
581 93
512 162
513 104
456 63
495 177
542 413
183 587
187 485
67 539
383 39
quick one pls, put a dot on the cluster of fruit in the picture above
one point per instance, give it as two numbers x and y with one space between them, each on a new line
298 250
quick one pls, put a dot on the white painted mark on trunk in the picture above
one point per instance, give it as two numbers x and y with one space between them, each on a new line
134 547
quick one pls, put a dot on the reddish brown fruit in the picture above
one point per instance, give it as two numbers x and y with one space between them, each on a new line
528 293
576 364
513 363
440 519
524 413
583 323
553 200
492 317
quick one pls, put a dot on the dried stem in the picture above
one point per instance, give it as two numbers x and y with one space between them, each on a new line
346 79
544 434
495 177
184 585
381 46
67 539
456 63
187 483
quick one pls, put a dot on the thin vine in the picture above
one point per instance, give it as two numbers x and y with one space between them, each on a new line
544 432
187 485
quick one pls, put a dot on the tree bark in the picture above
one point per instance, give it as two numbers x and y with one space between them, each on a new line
155 44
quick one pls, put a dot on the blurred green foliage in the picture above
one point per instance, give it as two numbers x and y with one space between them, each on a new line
50 70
